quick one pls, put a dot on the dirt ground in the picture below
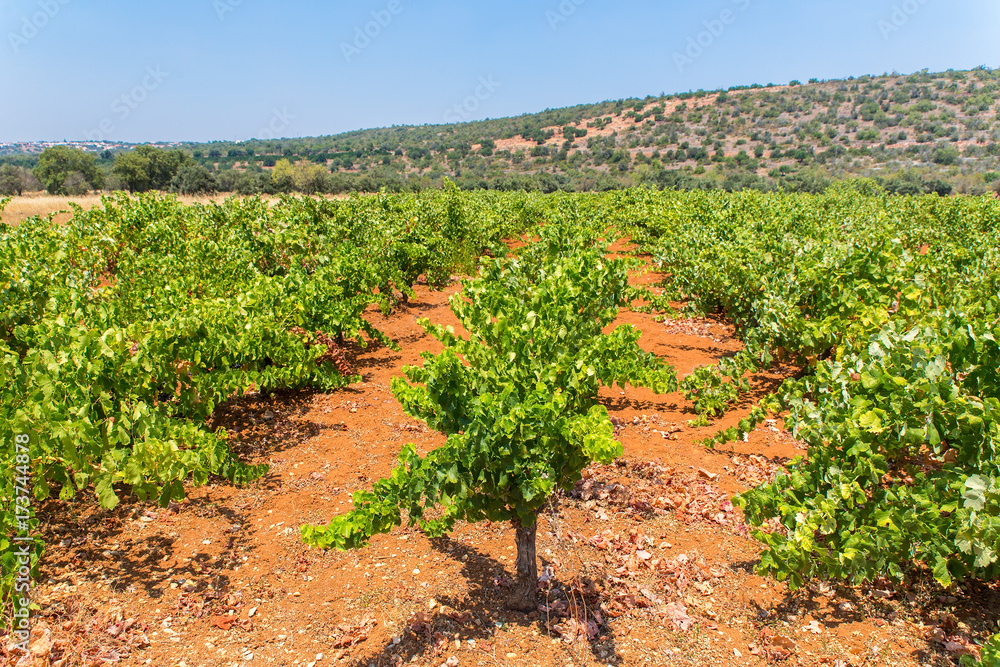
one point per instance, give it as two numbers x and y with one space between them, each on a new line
646 563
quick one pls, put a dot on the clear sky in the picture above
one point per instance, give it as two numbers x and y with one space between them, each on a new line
201 70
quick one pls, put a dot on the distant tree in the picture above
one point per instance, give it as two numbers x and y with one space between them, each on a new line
32 184
907 183
248 183
938 187
10 180
697 153
132 169
226 178
194 179
14 180
946 155
311 178
75 184
113 183
163 165
745 181
57 162
338 183
283 176
802 181
149 168
388 178
244 182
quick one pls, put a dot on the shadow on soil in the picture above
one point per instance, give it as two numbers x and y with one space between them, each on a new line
489 584
80 546
971 609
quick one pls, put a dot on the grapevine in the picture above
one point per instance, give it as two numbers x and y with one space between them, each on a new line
517 398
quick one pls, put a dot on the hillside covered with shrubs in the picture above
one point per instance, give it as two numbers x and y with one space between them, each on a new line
917 133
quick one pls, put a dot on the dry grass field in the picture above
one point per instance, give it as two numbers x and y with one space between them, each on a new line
41 203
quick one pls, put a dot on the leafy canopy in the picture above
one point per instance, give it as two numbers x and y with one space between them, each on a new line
517 397
890 306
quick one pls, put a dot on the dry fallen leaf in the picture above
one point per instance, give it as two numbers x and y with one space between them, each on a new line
779 648
814 628
41 643
420 622
464 617
224 622
677 614
349 635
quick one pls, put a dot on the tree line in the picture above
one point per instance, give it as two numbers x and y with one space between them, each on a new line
67 171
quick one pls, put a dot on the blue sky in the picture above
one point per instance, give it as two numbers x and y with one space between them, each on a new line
206 70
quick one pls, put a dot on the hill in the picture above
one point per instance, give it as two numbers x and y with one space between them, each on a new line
923 132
